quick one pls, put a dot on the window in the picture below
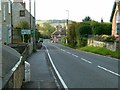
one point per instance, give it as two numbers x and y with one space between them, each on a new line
119 5
117 17
22 13
118 29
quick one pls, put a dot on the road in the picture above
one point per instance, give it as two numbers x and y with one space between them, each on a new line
79 69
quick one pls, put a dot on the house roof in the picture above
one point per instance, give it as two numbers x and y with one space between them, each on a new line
58 32
113 10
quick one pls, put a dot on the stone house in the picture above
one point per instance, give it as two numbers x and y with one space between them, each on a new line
5 20
115 19
58 34
20 13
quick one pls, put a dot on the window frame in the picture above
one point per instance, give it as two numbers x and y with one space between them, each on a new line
22 13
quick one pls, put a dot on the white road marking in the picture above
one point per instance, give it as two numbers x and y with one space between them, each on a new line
58 74
108 70
86 60
68 52
74 55
63 50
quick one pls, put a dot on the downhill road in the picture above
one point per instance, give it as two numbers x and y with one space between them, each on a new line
79 69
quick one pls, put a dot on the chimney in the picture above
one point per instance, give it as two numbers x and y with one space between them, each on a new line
20 1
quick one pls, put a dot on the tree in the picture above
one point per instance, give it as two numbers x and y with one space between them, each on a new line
102 28
22 25
85 29
46 30
87 18
71 35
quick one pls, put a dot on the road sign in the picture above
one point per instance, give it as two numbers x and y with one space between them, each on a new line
25 31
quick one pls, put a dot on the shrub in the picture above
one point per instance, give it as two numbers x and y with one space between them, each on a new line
105 38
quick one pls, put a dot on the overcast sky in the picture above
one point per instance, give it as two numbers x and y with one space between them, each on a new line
78 9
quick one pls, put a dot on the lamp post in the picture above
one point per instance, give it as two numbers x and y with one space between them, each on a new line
67 17
67 24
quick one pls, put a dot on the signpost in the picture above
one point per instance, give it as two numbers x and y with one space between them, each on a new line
25 31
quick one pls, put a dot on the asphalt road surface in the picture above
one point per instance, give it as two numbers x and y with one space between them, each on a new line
79 69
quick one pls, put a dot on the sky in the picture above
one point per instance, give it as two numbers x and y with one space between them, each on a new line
78 9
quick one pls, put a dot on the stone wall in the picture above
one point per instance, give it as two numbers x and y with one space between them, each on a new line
113 46
16 79
17 74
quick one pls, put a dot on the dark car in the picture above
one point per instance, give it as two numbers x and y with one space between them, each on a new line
39 43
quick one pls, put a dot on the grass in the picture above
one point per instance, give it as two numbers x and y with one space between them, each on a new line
101 51
98 50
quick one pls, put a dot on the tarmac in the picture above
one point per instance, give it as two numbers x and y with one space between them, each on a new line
41 75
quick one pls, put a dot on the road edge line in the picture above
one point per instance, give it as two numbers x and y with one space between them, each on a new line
56 71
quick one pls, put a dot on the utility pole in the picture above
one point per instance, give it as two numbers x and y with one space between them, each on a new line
30 12
30 18
34 38
11 22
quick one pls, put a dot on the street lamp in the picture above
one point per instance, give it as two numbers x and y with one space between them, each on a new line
67 24
67 17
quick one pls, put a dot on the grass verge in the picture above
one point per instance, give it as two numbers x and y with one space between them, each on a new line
101 51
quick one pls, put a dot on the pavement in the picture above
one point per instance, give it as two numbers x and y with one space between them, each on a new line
41 76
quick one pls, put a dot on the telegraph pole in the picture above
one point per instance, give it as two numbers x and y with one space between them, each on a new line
30 12
11 22
34 38
30 19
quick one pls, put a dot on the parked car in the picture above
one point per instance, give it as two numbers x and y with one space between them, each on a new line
39 43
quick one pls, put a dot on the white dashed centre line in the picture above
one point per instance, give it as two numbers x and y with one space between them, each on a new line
108 70
86 60
68 52
74 55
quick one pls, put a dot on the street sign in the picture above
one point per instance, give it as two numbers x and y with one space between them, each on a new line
25 31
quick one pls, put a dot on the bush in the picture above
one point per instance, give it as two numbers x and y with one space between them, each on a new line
105 38
63 40
82 42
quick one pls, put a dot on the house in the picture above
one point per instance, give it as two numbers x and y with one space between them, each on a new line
58 34
115 19
5 21
20 13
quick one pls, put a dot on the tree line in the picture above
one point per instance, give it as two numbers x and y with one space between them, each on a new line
78 33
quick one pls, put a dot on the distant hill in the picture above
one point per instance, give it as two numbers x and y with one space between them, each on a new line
53 22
